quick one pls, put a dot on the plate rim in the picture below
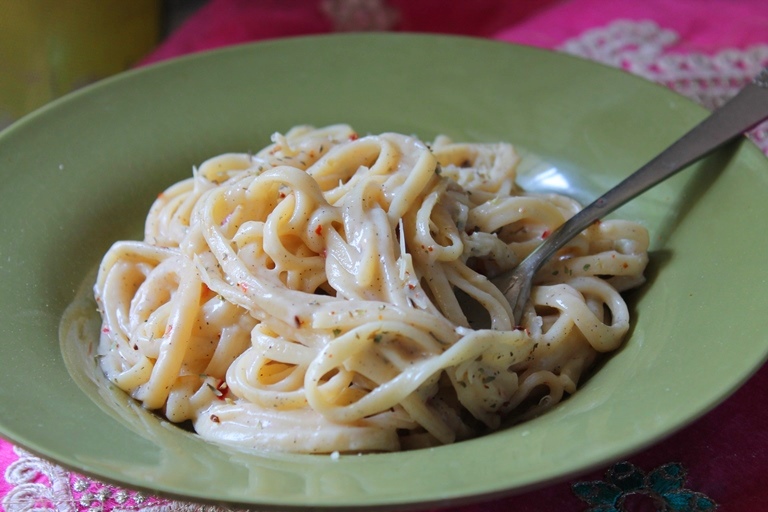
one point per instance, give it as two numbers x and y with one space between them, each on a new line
458 498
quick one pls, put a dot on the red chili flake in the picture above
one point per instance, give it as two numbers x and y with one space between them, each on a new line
411 286
222 390
524 329
545 234
298 320
282 195
354 136
215 418
105 329
319 230
168 330
243 287
625 265
206 293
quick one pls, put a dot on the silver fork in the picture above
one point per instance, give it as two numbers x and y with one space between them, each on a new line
744 111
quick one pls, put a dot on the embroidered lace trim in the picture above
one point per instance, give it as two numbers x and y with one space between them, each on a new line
642 47
39 485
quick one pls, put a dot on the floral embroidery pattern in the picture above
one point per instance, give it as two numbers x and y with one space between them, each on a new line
640 47
663 487
41 486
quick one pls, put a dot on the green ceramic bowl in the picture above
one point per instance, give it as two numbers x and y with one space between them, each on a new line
82 172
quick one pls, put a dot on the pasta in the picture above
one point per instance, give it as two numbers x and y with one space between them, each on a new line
331 293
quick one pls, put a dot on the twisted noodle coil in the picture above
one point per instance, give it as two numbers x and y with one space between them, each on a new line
324 295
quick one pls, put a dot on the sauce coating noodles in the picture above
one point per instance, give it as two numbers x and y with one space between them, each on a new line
318 296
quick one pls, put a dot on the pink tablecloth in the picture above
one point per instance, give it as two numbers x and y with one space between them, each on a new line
705 49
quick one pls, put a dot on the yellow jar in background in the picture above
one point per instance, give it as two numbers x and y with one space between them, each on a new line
51 47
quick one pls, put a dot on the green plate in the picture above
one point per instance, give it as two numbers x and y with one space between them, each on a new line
82 172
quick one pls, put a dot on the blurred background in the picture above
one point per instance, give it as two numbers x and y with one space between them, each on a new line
704 49
51 47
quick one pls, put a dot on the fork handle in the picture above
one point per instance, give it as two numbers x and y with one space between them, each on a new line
744 111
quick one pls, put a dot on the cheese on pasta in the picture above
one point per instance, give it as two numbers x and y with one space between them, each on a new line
331 293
